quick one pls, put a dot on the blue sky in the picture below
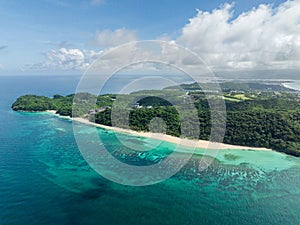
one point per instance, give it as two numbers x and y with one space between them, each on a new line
32 29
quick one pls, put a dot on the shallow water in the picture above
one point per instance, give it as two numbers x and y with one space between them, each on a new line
45 180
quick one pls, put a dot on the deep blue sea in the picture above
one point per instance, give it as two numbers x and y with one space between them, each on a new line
45 180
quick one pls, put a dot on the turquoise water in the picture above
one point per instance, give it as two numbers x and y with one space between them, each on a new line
45 180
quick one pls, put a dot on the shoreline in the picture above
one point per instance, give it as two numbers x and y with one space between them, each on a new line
287 85
202 144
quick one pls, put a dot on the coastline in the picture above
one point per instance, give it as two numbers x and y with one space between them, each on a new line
202 144
288 85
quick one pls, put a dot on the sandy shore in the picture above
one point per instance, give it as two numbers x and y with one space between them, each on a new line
164 137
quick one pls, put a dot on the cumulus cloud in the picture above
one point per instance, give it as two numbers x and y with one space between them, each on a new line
108 38
264 37
65 59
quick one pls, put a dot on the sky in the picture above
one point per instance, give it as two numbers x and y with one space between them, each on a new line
65 37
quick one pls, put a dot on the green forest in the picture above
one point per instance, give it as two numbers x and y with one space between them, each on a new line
254 117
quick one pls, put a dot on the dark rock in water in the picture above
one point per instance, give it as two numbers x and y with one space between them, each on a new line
95 193
98 182
92 194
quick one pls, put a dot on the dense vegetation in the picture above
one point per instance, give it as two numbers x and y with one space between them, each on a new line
254 118
236 86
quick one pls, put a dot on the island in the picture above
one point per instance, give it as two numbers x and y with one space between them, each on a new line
260 115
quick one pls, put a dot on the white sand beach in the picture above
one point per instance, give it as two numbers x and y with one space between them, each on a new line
164 137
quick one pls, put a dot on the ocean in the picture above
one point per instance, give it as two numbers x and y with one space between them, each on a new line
293 85
45 180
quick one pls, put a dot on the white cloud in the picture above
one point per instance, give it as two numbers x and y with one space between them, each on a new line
75 59
265 37
65 59
1 67
108 38
262 38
